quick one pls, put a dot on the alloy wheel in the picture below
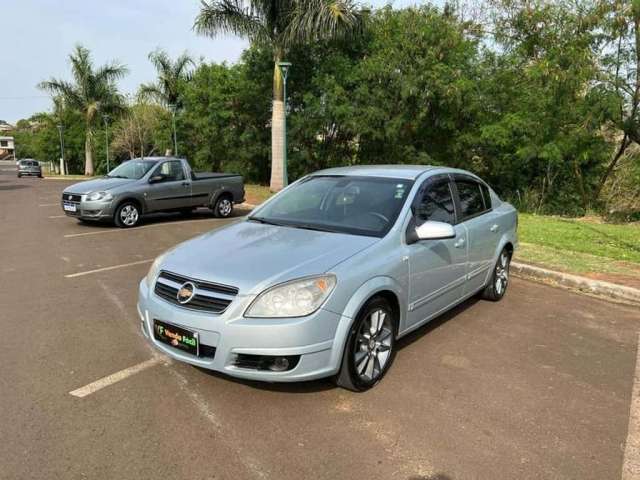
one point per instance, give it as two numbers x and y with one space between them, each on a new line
373 345
502 273
224 207
129 215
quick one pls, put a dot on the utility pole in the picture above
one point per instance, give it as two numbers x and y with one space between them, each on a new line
62 164
173 107
284 70
105 117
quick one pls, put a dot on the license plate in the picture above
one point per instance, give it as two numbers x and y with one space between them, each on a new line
69 207
176 337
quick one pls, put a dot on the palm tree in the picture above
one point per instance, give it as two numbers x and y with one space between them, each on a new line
92 93
171 74
281 25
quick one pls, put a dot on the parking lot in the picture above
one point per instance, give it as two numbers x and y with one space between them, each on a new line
536 386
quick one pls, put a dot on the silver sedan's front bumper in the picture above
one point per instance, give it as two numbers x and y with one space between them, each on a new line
314 338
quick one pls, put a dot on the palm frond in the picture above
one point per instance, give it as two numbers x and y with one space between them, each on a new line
64 90
235 17
110 73
314 20
150 91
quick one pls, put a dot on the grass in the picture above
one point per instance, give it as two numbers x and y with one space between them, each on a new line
580 245
67 177
256 194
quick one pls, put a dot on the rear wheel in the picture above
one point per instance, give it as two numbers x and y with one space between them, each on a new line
500 278
370 348
223 207
127 215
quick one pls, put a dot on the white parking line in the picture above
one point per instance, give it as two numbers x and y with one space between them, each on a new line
48 204
115 377
57 216
631 459
106 269
115 230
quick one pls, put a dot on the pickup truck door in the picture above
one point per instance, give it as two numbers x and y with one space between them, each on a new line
173 191
437 268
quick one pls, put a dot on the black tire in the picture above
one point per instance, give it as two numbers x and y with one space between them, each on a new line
223 207
499 282
19 176
351 376
127 215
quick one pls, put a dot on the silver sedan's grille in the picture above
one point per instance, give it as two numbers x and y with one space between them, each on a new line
208 296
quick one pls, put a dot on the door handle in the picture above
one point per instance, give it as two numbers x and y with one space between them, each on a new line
459 243
185 184
495 228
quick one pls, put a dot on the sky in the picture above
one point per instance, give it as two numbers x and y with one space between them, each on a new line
38 36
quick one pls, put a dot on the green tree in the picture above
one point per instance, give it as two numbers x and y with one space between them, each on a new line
92 93
280 26
171 77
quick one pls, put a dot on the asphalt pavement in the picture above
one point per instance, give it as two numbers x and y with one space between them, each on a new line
537 386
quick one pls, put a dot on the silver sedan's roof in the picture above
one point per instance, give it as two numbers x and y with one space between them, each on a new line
409 172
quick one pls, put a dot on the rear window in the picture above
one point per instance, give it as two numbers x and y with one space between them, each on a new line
471 200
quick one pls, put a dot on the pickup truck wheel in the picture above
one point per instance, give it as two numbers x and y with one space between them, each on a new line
223 207
127 215
370 347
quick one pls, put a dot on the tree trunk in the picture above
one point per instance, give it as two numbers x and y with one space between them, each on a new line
277 146
88 154
277 129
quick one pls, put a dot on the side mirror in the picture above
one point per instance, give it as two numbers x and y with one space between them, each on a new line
156 179
434 231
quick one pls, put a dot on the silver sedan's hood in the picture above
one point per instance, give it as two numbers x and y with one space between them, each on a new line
97 185
252 256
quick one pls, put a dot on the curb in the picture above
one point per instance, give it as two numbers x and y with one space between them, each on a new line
587 285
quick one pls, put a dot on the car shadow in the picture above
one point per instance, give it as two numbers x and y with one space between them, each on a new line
165 217
325 384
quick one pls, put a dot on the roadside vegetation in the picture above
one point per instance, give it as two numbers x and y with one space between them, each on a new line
584 246
539 98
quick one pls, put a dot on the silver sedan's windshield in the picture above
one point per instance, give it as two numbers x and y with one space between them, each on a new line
347 204
132 169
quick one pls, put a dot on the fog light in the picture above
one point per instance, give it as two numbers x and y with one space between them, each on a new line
279 364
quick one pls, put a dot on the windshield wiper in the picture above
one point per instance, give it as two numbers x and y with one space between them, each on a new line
317 228
265 221
117 176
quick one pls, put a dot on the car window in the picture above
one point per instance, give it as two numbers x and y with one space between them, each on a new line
172 171
470 195
132 169
348 204
487 196
436 204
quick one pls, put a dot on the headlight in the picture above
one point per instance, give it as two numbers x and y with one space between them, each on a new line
154 270
293 299
93 196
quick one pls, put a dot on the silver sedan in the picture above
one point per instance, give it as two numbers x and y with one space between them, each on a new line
326 276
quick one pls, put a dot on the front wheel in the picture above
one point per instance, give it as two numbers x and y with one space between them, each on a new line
500 278
223 207
127 215
370 348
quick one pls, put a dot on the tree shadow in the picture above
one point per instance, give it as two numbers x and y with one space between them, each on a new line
167 217
631 246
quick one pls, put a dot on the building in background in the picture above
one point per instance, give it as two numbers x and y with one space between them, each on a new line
7 148
5 126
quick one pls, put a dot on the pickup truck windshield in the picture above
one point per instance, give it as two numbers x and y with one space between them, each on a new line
344 204
132 169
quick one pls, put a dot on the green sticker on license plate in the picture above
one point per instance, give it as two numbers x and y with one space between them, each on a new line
176 337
